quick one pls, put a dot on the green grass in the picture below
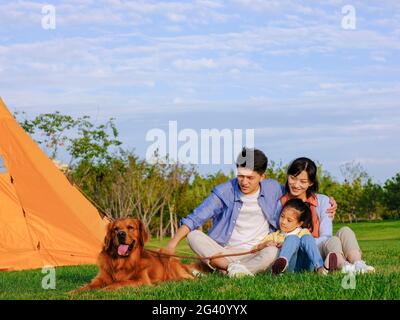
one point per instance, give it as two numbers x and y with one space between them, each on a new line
379 242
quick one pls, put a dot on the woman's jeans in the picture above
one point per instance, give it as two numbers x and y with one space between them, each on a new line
301 253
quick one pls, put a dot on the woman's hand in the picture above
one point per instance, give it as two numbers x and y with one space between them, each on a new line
332 210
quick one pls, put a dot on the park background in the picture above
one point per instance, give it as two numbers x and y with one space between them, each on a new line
312 79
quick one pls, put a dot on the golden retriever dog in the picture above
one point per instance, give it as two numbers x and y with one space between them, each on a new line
124 261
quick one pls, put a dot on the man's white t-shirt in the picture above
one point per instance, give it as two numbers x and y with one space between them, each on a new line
251 226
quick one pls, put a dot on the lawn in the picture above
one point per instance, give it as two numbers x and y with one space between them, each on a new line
379 242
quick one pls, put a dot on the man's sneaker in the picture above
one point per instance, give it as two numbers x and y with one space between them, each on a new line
280 265
237 270
348 268
330 263
361 267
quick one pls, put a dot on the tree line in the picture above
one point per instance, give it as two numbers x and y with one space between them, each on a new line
120 183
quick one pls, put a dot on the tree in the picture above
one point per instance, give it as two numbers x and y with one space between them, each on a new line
93 143
370 202
391 195
54 127
277 172
349 194
348 197
81 138
352 171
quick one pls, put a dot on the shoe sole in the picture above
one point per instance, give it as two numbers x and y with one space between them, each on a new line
279 266
332 262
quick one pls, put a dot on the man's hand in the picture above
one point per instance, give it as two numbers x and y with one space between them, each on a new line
332 210
168 250
179 235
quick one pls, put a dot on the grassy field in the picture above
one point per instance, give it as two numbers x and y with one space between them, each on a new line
379 242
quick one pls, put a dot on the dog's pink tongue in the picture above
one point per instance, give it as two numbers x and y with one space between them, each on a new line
122 249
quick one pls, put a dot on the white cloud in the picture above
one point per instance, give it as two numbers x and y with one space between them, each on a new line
195 64
176 17
378 58
331 85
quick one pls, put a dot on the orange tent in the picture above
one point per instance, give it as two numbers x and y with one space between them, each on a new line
44 220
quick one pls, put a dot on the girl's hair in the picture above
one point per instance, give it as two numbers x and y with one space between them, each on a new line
304 210
299 165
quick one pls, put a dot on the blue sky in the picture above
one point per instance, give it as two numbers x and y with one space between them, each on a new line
287 69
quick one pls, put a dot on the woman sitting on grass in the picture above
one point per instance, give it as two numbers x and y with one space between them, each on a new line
300 252
340 251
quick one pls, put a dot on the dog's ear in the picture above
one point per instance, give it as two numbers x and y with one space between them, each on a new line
108 241
143 234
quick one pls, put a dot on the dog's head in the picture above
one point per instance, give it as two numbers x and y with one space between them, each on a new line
124 236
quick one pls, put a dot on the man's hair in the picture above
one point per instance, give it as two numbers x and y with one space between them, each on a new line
252 159
305 214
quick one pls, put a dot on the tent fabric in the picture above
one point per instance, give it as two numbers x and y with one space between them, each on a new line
44 220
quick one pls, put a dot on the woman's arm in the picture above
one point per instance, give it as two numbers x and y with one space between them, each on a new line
325 221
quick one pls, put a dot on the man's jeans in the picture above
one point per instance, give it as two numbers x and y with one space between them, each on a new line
301 253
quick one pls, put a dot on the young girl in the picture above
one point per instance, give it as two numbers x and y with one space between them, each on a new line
340 251
300 251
